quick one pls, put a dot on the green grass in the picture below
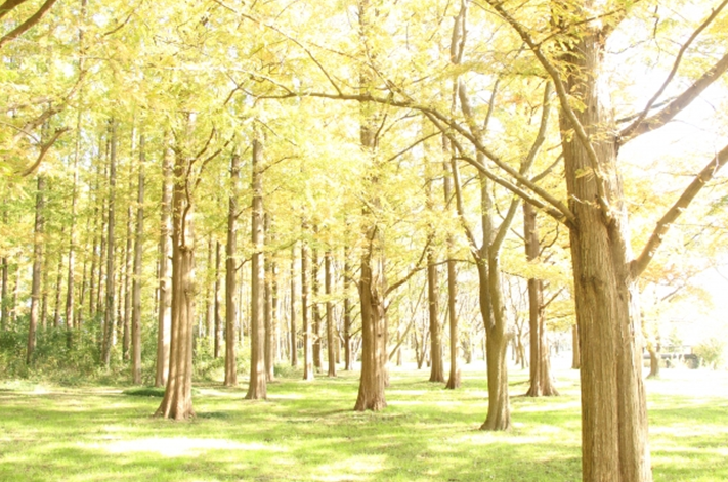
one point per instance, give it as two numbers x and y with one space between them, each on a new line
308 432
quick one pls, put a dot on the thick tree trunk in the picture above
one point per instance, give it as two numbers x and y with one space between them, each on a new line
614 416
164 321
374 337
177 401
136 317
257 388
575 347
330 329
541 383
231 301
37 266
294 328
307 342
110 304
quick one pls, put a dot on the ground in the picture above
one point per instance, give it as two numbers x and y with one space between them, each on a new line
309 432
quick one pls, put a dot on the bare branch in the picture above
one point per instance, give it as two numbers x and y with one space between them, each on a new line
44 150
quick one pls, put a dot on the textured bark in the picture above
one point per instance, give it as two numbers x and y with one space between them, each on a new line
257 388
654 362
614 416
330 329
541 383
231 301
136 317
110 298
164 319
575 347
37 266
293 329
453 380
177 401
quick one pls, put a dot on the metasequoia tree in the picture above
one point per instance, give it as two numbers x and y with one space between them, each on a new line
37 265
110 299
164 317
257 387
231 300
330 328
136 317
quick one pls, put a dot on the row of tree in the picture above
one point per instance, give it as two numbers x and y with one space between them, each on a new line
388 140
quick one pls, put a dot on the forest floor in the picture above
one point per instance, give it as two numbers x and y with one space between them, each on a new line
307 431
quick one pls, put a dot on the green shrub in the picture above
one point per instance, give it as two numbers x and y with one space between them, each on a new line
711 352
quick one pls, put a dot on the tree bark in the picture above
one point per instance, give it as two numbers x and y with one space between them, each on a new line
307 342
231 301
437 371
453 381
347 312
294 328
315 311
330 329
217 343
614 416
257 388
269 348
110 299
575 347
136 317
541 383
37 265
177 401
164 321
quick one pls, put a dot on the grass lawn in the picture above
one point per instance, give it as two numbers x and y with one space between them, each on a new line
306 431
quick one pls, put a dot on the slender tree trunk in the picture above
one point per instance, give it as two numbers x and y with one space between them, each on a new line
128 259
59 281
37 265
110 304
541 383
294 329
177 401
315 311
307 344
347 312
437 370
164 320
231 254
217 343
4 296
269 347
330 329
257 388
136 319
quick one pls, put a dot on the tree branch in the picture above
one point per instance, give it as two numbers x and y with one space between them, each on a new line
44 150
664 224
28 24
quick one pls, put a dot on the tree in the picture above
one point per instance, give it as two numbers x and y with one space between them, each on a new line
136 319
164 320
257 387
231 301
37 266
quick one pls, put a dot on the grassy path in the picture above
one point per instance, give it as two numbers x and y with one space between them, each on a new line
308 432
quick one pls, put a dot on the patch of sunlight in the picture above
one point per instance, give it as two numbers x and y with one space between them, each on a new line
551 407
176 447
407 402
350 469
287 396
414 393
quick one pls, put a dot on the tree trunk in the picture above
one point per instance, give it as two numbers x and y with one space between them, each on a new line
4 301
315 311
347 312
136 318
57 291
217 343
307 345
269 348
330 329
294 329
654 361
541 383
436 368
110 304
231 301
453 381
575 347
257 387
164 321
37 265
614 416
177 401
128 259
